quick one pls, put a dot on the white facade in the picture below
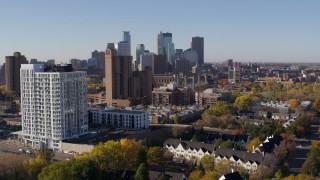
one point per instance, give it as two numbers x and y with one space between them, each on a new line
124 119
53 105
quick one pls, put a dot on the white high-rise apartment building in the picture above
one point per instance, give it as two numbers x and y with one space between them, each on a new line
53 104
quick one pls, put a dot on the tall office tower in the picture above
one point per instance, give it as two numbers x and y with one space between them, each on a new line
146 61
141 85
228 64
100 57
126 36
182 66
197 45
12 71
159 64
51 62
118 72
234 75
139 51
191 56
124 48
165 45
53 104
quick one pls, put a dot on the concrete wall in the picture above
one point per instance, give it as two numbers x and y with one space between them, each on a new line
79 148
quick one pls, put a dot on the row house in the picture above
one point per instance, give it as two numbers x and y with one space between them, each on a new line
188 150
268 145
247 160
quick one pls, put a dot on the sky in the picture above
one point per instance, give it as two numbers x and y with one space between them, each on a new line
246 30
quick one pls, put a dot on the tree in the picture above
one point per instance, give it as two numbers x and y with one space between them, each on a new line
222 167
34 166
195 175
141 156
226 144
243 102
209 175
220 108
316 104
207 162
294 103
311 166
142 172
176 119
299 177
253 144
155 154
46 154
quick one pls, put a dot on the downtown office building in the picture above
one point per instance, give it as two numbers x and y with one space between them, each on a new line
53 104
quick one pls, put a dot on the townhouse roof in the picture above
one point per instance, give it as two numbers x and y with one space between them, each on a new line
226 137
190 144
243 155
232 176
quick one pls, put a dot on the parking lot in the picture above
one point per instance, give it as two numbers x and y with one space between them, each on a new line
16 147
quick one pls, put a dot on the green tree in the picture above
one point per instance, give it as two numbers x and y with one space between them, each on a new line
155 154
142 172
207 162
142 155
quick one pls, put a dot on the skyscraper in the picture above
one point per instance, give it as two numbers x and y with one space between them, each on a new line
53 104
165 45
118 73
197 45
159 64
12 71
124 46
139 51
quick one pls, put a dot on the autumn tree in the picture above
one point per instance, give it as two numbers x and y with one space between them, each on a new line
222 167
311 166
46 154
155 154
294 103
195 175
176 119
253 144
243 102
207 162
34 166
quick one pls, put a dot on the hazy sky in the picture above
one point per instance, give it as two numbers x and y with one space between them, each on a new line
273 30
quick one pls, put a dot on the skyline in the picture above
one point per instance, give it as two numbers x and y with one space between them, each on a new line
272 31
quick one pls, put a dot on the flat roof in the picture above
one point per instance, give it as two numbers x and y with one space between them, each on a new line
125 111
